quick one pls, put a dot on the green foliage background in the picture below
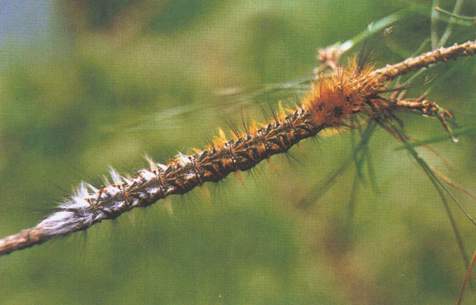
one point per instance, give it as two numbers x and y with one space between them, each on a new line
117 79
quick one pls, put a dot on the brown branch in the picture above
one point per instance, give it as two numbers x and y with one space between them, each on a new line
390 72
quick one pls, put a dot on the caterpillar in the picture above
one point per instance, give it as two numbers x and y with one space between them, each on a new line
331 102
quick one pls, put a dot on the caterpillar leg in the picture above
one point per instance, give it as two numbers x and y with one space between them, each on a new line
420 105
430 108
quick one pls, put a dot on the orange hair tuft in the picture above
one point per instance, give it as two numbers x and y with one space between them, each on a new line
333 99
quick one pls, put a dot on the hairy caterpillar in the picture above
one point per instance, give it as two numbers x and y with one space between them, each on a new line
331 102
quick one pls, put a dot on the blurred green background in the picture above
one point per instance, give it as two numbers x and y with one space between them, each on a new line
88 84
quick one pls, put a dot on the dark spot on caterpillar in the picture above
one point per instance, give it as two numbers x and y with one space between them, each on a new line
338 111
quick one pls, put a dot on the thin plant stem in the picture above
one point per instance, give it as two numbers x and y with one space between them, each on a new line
449 28
434 25
457 19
